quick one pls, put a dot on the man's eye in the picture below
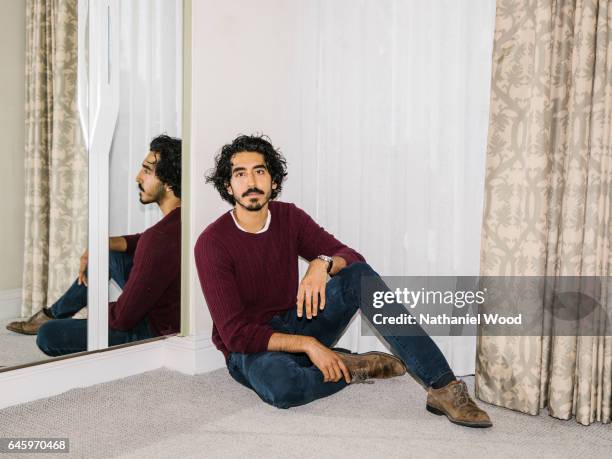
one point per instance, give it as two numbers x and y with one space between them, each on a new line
239 174
260 171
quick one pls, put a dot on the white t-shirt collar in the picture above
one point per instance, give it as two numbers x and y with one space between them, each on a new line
264 229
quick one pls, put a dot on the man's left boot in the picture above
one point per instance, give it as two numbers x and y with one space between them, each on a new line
454 401
31 326
371 365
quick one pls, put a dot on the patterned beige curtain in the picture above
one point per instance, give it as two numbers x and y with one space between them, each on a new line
547 196
56 160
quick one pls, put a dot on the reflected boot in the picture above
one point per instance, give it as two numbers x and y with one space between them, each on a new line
31 326
454 401
371 365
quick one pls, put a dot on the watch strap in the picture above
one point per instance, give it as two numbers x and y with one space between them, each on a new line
329 260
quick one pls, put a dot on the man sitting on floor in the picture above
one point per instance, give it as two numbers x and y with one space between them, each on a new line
146 266
247 261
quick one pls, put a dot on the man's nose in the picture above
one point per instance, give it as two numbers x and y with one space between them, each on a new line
251 179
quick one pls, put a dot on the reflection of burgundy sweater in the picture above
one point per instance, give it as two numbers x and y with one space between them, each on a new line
154 285
248 278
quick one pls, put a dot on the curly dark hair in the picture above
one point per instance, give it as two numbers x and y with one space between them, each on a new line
221 174
168 167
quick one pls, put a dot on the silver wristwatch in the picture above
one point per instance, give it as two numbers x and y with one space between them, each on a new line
329 260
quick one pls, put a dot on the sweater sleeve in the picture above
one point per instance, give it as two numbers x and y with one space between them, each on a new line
218 281
313 241
152 272
132 242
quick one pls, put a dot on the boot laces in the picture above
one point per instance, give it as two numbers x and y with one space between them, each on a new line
462 396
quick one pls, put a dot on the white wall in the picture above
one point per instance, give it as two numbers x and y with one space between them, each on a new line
245 78
12 126
150 103
381 109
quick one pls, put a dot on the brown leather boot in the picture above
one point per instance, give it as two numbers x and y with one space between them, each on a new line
371 365
30 326
453 400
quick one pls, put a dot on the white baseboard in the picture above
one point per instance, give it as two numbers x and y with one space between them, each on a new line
192 355
10 303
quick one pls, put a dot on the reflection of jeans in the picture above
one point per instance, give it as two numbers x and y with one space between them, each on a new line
284 380
65 335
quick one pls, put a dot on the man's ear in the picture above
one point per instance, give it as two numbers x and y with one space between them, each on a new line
228 187
274 186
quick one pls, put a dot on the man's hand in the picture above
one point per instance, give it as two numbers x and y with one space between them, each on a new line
311 293
116 244
328 362
82 279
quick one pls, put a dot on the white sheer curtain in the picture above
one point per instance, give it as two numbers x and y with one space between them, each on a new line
390 155
151 101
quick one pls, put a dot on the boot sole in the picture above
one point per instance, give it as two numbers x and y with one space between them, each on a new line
437 412
383 354
22 332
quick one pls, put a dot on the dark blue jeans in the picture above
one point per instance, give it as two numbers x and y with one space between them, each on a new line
285 380
65 335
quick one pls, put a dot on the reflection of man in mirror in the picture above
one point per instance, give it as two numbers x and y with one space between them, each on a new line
276 332
146 266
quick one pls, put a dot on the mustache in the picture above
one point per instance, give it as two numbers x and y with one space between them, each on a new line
140 188
252 190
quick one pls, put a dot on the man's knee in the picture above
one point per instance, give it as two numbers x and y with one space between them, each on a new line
277 382
45 339
360 269
62 336
284 392
350 281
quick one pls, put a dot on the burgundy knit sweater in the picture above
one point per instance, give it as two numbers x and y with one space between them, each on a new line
248 278
154 284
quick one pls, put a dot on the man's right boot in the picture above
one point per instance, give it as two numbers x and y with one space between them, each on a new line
31 326
454 401
371 365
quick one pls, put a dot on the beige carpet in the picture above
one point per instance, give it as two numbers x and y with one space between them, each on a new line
168 414
16 349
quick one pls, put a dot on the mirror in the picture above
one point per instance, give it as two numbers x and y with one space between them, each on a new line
14 349
144 195
49 275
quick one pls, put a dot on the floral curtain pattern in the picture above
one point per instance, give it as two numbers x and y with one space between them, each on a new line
56 160
547 195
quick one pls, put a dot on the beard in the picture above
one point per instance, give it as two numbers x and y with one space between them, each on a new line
252 204
148 198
